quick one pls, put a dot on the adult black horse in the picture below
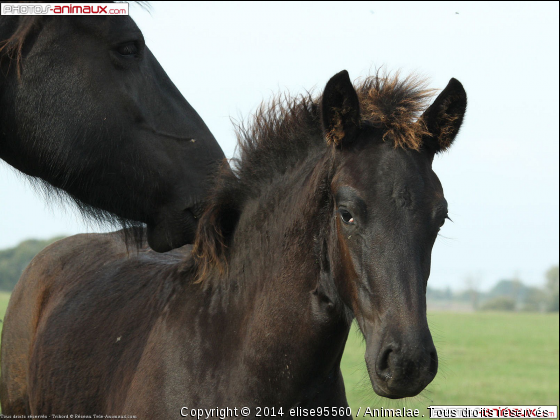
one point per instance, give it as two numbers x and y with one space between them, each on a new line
87 110
331 215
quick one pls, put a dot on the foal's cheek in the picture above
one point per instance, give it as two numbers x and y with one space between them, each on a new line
345 275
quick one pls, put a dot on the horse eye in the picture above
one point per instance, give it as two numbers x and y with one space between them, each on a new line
130 48
346 217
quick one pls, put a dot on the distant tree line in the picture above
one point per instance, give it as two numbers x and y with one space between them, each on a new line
14 260
506 295
552 287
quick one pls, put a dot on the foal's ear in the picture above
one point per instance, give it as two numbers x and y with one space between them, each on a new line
340 110
444 117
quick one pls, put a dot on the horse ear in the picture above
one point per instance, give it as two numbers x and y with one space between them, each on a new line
443 119
340 110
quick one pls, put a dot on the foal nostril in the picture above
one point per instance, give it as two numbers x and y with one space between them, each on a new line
384 364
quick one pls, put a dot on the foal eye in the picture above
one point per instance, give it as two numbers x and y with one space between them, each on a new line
346 217
130 48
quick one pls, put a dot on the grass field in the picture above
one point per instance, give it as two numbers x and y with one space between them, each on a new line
485 358
4 299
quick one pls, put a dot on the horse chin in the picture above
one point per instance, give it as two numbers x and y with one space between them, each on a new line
384 391
172 231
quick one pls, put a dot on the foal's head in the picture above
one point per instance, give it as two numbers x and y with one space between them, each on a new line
372 205
388 209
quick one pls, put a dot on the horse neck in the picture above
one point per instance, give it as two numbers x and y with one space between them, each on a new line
272 281
277 231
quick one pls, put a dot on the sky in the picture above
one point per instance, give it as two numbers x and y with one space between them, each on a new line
501 175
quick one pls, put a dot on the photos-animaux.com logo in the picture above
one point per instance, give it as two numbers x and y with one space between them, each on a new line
64 9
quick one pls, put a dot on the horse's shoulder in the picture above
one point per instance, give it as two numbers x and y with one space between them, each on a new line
56 268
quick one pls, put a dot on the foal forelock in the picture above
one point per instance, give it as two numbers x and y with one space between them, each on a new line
394 104
288 131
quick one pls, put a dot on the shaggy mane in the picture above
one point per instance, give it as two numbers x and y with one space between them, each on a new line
287 126
285 132
395 104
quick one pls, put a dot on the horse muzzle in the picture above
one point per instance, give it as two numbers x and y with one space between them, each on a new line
172 229
402 365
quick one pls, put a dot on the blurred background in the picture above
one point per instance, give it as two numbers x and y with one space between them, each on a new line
493 290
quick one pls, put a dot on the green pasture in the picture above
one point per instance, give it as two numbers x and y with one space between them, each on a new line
485 358
4 299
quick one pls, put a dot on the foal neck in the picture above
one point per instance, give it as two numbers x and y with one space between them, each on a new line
270 292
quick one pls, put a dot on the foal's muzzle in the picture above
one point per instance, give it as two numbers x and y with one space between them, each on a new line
402 365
